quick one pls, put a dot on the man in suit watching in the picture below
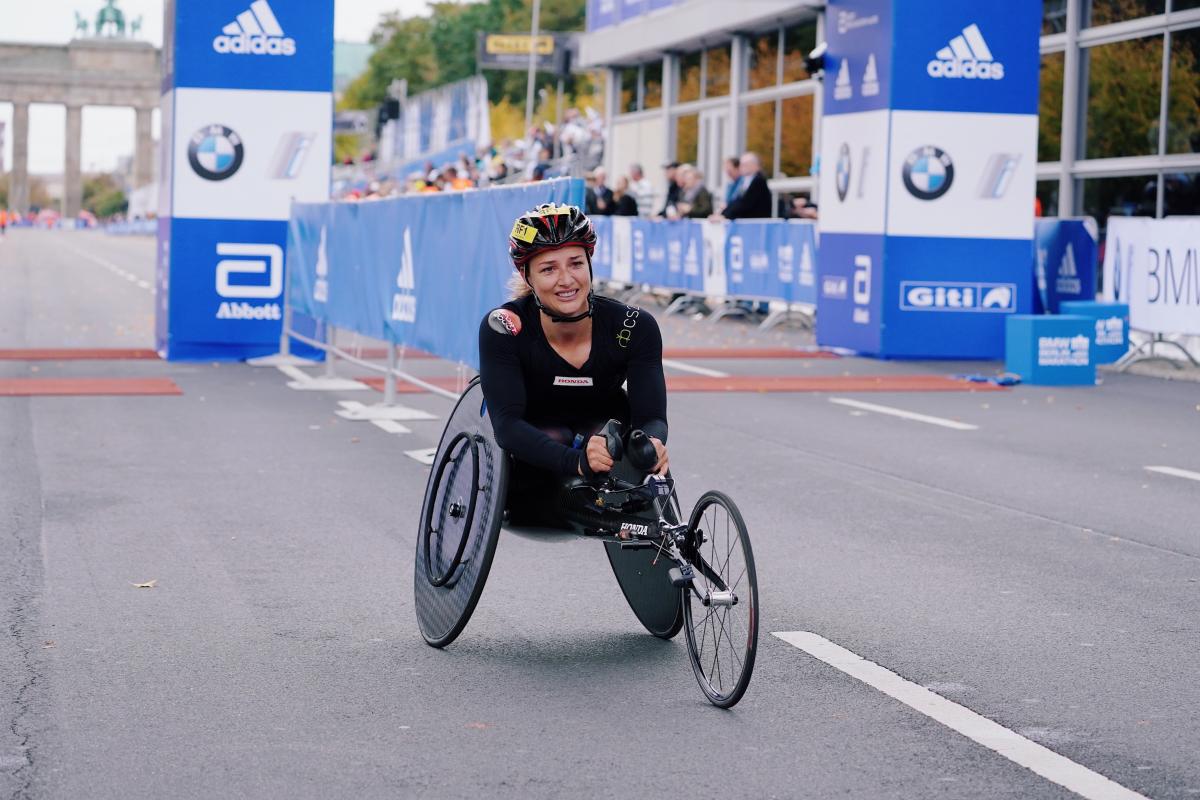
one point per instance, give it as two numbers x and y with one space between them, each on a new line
753 200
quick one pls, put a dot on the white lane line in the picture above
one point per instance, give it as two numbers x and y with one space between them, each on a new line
899 412
1176 472
295 373
423 456
685 367
1029 754
111 267
390 426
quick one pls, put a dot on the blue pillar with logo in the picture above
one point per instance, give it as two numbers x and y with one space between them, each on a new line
928 156
246 128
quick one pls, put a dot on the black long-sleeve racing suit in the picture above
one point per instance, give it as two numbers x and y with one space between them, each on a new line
538 401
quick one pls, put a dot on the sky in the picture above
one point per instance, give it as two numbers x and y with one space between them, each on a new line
108 132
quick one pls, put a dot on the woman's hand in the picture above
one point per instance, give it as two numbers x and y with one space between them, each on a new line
597 454
660 468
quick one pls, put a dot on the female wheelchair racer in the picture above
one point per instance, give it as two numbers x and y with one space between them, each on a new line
546 441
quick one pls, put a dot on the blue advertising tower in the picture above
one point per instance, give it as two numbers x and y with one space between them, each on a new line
246 129
928 156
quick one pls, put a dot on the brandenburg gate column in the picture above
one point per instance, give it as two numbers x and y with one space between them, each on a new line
143 152
19 196
72 178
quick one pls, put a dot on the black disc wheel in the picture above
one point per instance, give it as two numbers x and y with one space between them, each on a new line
721 624
460 521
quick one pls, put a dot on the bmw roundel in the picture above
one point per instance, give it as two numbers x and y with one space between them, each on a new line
843 172
215 152
928 173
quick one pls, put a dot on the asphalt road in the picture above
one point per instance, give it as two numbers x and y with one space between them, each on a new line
1030 569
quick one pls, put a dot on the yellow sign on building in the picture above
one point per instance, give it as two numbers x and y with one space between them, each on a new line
505 44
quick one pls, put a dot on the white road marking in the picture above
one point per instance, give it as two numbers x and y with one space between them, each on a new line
111 267
1016 748
1175 472
899 412
390 426
356 411
685 367
424 456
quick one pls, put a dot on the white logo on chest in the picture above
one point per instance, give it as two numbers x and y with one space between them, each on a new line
562 380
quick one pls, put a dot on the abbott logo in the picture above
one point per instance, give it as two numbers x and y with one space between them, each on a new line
404 302
966 56
255 31
957 296
250 259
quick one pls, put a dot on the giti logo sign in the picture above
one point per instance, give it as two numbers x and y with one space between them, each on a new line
255 31
404 302
957 296
966 56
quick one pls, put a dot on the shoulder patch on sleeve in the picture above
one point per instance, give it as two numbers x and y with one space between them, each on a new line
504 320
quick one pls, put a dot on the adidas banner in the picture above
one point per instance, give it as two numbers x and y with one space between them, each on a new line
1153 265
401 269
928 153
1065 262
247 114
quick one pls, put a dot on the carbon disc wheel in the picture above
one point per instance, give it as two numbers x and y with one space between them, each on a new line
722 636
460 521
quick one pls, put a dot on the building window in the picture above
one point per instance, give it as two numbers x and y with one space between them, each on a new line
1054 16
687 138
796 137
689 78
1181 5
1181 194
1124 84
798 41
629 93
1050 107
652 83
1102 12
716 71
1183 93
1047 198
763 68
1121 197
760 134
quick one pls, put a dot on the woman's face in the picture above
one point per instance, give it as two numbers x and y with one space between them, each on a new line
561 280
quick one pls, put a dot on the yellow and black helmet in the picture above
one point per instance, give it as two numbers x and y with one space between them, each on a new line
549 227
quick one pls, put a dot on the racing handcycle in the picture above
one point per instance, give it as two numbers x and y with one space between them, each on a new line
697 575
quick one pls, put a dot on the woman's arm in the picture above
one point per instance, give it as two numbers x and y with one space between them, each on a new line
504 389
647 385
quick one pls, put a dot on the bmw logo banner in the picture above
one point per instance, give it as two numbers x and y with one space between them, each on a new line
247 129
930 134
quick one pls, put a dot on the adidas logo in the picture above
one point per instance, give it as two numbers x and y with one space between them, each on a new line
967 56
404 301
870 81
842 90
255 31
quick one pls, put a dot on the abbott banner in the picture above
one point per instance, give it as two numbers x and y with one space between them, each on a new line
1154 266
247 128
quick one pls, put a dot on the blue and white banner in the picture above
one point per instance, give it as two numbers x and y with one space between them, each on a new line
1154 266
1065 262
756 259
403 270
929 149
247 128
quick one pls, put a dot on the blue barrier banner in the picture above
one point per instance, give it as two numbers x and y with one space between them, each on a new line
602 265
420 271
793 246
1066 261
748 261
685 249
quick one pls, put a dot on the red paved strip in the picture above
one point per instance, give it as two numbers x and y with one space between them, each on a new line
76 354
744 352
74 387
381 352
771 383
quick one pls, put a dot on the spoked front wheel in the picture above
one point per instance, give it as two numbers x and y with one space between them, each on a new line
721 613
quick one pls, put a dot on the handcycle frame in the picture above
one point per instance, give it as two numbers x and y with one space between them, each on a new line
656 555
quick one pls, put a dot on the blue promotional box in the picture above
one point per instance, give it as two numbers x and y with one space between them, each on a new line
1050 350
1110 334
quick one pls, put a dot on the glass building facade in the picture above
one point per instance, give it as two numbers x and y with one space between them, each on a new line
1119 118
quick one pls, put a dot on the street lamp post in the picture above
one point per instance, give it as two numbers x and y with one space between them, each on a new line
533 33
